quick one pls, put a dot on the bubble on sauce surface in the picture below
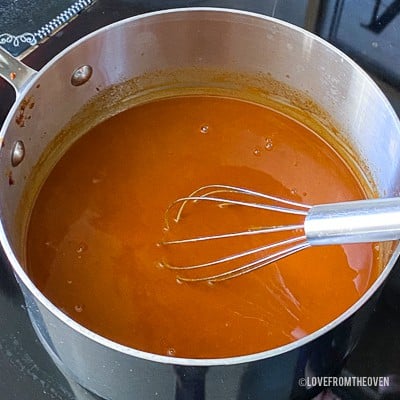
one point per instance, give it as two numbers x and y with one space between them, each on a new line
78 308
257 152
204 129
269 144
82 247
171 352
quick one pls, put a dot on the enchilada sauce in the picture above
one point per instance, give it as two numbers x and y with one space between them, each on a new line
93 238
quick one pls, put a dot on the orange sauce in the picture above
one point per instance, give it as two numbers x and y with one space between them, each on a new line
92 243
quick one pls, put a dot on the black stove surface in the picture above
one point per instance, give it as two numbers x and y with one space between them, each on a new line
367 30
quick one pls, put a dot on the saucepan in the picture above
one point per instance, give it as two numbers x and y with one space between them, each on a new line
138 50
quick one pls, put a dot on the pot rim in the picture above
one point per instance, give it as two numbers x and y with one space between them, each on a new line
206 362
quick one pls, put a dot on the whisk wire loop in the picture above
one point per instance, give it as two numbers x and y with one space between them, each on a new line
238 255
224 195
301 209
249 267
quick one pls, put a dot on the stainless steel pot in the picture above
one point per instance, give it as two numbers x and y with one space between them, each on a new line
225 40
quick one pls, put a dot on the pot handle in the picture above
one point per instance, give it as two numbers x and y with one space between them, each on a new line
14 71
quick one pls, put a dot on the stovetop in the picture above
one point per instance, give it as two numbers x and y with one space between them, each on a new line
367 30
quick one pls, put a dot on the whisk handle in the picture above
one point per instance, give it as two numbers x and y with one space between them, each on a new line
374 220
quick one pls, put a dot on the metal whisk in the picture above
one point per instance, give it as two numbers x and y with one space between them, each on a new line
373 220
